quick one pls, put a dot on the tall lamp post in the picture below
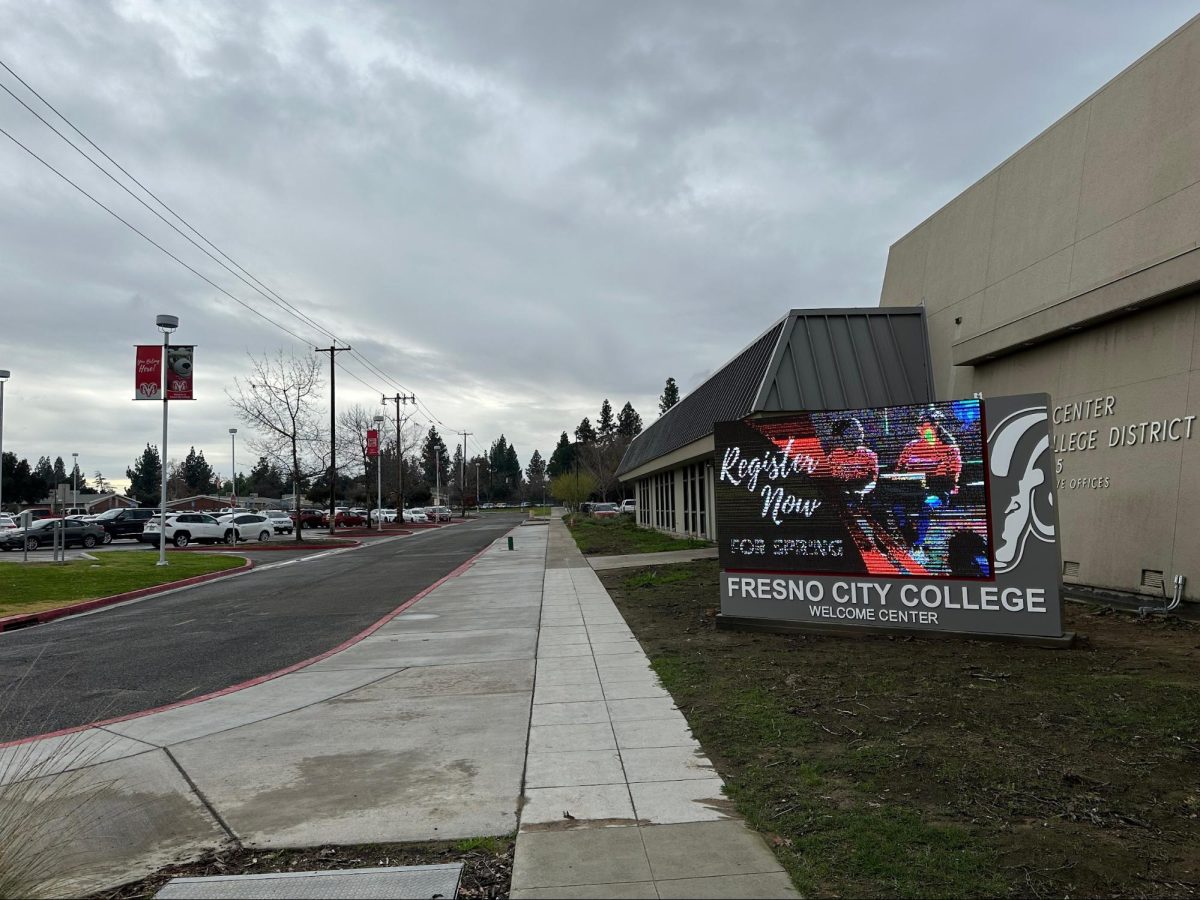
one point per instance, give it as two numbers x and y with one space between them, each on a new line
379 420
4 375
75 482
166 324
233 468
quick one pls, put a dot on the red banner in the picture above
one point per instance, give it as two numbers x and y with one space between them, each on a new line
372 443
179 372
148 378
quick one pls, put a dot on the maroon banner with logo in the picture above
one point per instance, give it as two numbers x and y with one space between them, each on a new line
179 372
147 383
372 443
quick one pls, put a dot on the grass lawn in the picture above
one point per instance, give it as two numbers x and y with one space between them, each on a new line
33 587
909 767
620 535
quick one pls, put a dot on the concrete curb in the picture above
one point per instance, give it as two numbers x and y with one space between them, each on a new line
277 546
270 676
11 623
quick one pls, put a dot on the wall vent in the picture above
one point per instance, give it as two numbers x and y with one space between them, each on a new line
1153 579
1070 569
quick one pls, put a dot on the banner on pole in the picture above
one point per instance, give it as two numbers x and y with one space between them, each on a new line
179 372
148 377
372 443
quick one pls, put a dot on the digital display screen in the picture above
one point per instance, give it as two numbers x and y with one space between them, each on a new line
896 492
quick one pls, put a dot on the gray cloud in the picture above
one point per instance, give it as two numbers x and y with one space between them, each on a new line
514 209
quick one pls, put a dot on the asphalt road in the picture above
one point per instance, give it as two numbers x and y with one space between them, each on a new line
126 659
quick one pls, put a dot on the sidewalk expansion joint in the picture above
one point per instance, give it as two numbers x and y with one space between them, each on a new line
212 810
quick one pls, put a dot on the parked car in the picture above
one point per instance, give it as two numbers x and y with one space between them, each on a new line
629 506
388 515
605 510
249 526
36 514
415 516
586 507
348 519
41 534
187 528
310 518
439 513
280 520
8 523
124 523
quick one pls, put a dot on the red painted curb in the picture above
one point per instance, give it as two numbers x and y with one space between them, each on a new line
270 676
49 615
278 545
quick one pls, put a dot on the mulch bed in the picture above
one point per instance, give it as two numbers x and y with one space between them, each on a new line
487 865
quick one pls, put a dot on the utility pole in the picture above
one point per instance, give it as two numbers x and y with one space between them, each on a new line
462 472
398 399
333 351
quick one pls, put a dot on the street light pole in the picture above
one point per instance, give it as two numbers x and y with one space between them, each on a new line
379 420
75 482
4 375
233 469
166 324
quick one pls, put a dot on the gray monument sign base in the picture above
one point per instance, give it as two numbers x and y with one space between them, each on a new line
782 626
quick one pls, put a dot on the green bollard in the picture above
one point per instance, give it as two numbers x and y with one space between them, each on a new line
510 546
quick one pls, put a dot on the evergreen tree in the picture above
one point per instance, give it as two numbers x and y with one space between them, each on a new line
435 460
458 464
512 467
25 487
144 477
563 457
265 479
102 485
198 475
669 397
60 471
585 433
43 477
629 423
535 475
606 425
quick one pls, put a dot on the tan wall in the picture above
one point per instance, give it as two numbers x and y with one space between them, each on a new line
1063 271
1123 508
1111 189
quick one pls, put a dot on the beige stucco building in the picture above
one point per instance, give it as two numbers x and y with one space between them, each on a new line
1074 268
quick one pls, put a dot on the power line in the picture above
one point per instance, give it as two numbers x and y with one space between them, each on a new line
270 294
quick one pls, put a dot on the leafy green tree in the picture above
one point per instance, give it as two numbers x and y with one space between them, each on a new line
629 423
144 477
584 432
563 457
669 396
572 488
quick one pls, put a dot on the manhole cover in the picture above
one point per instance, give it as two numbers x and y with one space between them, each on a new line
404 882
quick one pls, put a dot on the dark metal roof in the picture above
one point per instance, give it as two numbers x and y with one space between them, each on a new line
810 359
729 394
848 359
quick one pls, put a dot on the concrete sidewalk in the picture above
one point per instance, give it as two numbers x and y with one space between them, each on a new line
619 798
417 732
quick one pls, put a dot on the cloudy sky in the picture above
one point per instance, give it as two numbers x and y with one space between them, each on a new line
511 209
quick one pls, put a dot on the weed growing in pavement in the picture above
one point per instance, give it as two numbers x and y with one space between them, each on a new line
49 807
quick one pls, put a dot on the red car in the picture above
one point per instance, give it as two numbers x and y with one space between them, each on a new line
605 510
348 520
311 518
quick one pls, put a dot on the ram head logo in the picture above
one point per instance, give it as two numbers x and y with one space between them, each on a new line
1014 456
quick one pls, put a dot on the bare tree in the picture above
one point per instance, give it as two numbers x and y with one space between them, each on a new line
353 425
279 400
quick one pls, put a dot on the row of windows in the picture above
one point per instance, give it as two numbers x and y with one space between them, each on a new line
656 500
695 501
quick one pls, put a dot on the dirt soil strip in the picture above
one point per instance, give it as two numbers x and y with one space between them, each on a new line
24 620
904 766
487 865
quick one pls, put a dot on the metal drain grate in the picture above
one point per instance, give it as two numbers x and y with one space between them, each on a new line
1070 569
1153 579
405 882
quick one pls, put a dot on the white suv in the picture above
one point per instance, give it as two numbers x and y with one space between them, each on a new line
185 528
629 506
280 520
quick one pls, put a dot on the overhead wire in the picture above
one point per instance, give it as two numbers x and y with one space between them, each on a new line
254 283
